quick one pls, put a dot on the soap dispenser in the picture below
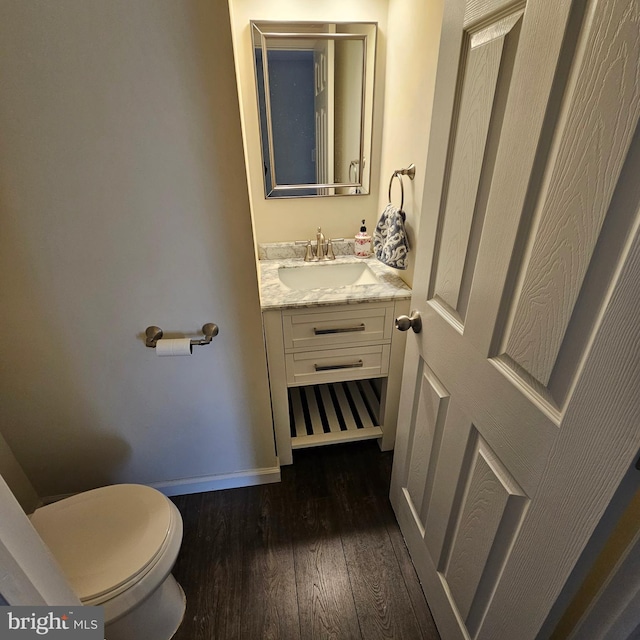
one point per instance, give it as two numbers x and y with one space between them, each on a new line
363 243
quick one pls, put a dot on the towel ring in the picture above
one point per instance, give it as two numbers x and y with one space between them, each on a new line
395 175
354 165
410 171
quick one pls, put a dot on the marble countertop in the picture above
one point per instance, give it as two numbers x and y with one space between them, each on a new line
275 295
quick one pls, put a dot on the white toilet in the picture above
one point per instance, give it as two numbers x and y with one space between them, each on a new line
117 546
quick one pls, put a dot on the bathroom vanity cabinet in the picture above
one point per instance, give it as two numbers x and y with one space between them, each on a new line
335 369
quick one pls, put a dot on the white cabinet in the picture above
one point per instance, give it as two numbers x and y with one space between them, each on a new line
334 373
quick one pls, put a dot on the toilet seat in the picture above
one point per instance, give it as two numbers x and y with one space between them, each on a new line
107 539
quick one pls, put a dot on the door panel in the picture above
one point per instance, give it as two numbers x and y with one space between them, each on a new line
447 487
544 103
491 509
429 422
592 141
531 93
486 63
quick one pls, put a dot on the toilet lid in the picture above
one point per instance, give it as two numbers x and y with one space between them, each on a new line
105 537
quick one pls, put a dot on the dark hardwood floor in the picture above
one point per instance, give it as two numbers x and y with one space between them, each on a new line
318 555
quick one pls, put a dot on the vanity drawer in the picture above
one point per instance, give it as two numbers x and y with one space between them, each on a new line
332 365
355 324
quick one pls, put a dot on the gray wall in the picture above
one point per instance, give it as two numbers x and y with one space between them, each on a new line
124 203
13 474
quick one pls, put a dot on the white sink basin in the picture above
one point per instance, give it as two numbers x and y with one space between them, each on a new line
326 276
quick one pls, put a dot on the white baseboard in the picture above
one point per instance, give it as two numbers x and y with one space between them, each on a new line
201 484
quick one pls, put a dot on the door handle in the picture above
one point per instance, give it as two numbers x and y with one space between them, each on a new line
414 321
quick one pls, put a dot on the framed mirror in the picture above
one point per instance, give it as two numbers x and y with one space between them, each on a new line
315 103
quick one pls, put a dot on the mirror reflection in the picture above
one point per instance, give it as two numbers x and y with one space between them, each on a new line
315 99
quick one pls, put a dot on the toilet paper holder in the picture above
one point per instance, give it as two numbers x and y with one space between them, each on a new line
210 331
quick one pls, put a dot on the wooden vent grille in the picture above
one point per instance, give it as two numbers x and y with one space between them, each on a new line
336 412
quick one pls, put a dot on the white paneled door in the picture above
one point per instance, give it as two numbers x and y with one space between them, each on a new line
520 407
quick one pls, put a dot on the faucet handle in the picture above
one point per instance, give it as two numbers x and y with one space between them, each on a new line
329 255
308 254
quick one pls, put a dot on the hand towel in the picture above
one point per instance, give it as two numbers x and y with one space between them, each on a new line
390 244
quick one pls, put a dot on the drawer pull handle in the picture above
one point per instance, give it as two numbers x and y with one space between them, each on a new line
329 367
322 332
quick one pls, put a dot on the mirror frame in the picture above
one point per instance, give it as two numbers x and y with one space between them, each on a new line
263 31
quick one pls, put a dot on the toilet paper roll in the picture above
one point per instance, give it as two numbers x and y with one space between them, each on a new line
175 347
